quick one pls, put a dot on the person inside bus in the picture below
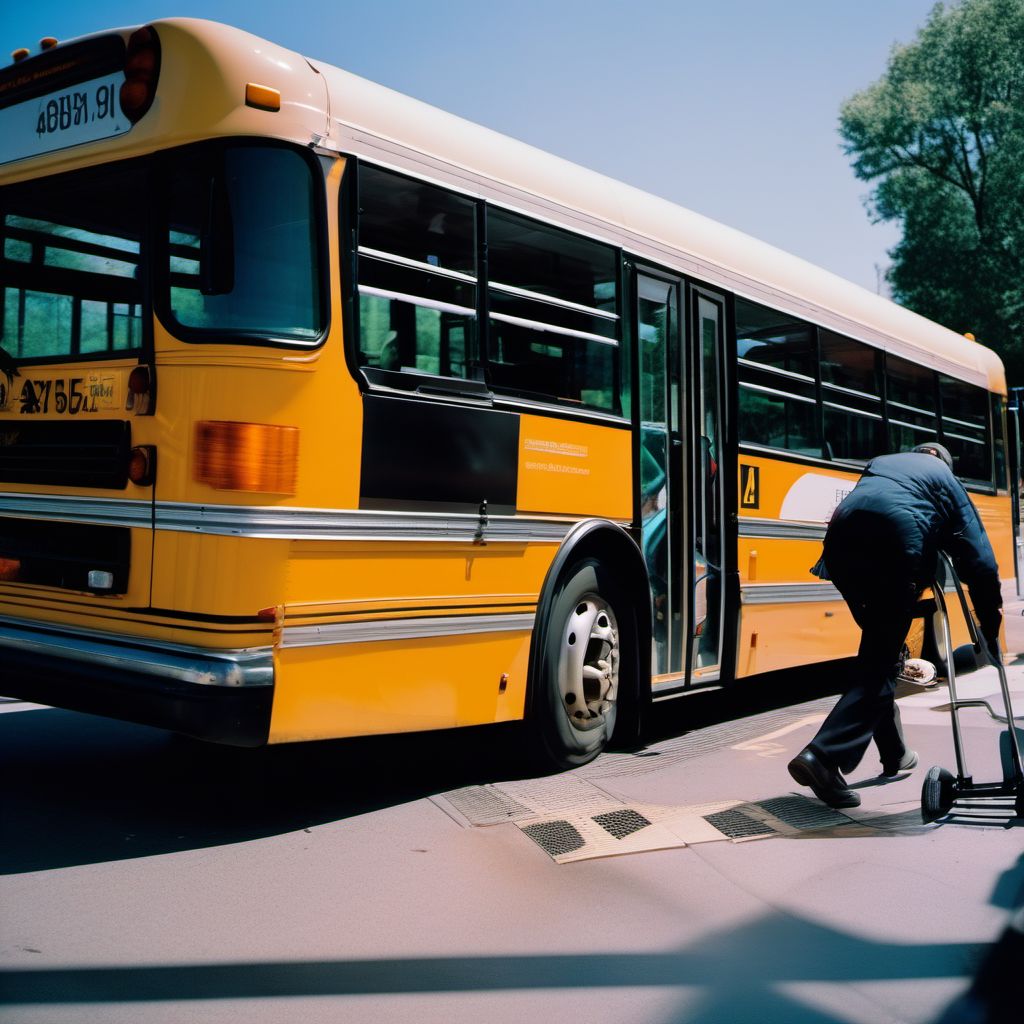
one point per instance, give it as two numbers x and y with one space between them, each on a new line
389 357
654 528
708 570
881 550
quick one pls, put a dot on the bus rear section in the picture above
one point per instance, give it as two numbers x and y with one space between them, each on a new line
79 445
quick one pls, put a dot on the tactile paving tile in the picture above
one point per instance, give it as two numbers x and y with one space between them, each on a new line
485 805
621 823
555 838
737 825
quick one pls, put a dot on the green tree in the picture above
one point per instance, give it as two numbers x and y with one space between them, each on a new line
941 136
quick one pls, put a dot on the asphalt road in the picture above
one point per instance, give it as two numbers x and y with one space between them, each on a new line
148 878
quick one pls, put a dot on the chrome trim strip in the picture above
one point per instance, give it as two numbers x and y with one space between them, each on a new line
403 629
850 409
99 511
416 300
404 261
551 300
788 593
285 523
840 389
775 391
328 524
755 365
781 529
568 332
198 666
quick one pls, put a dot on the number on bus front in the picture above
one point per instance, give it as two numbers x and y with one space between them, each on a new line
74 108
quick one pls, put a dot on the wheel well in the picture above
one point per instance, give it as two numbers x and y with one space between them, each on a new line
610 545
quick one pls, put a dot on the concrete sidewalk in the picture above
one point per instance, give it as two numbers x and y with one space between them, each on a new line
147 879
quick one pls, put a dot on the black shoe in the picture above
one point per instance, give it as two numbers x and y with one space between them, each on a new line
905 763
828 785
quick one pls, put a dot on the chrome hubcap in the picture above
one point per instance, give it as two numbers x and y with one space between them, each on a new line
588 669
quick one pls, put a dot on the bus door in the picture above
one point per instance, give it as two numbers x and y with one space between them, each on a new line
1016 486
661 476
706 607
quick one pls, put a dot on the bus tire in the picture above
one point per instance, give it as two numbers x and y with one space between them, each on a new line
580 682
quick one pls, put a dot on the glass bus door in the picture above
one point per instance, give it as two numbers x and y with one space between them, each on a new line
707 312
661 470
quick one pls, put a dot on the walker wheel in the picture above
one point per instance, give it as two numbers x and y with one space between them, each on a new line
937 794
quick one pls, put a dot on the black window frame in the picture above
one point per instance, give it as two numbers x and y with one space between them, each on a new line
472 385
762 376
161 274
988 440
478 385
143 166
789 386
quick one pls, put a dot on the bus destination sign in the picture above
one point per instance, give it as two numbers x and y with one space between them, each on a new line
86 112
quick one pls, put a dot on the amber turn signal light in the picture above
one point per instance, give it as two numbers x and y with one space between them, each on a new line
234 456
262 97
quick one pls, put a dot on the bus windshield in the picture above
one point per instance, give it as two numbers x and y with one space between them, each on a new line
234 253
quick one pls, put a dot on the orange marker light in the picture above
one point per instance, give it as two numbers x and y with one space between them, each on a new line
262 97
234 456
47 43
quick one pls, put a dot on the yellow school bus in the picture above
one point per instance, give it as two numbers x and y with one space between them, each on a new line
325 413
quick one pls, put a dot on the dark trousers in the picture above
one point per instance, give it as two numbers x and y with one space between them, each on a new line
867 710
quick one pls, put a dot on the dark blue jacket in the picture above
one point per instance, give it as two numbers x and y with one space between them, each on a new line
889 529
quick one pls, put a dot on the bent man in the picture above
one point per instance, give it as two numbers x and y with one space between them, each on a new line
881 549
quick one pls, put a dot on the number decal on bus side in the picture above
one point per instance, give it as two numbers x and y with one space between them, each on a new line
750 486
67 396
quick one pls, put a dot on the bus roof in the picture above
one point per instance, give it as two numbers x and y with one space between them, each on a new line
204 70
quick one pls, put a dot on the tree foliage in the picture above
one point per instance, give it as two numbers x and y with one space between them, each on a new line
941 136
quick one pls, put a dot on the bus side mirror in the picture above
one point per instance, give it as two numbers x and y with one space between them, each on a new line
217 240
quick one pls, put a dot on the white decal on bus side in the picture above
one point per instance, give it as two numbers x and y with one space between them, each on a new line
814 497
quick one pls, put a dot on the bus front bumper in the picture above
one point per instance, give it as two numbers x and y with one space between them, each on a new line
224 696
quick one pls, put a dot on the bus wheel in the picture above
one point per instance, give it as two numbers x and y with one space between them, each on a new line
578 699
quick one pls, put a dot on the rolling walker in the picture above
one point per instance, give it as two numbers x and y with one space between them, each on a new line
942 790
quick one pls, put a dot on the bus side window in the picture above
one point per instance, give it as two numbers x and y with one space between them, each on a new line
554 328
851 390
778 366
417 277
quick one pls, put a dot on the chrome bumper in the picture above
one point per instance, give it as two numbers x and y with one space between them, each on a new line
220 695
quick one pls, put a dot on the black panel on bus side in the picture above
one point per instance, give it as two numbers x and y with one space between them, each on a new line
433 456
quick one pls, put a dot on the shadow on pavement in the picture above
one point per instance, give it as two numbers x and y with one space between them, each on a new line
81 789
738 975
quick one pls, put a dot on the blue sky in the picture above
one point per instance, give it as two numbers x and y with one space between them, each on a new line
728 107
